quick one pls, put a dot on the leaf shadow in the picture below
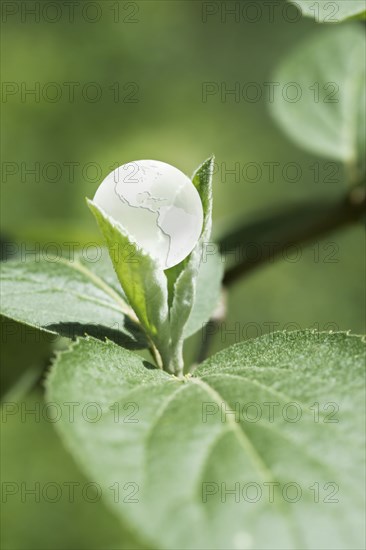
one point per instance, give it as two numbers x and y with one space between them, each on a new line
131 338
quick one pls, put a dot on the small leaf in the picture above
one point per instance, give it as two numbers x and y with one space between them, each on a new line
202 180
68 297
332 12
195 442
320 102
185 285
142 279
207 295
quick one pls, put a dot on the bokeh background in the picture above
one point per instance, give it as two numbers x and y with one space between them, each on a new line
156 56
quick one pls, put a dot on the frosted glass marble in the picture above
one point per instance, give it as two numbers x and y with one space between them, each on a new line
157 204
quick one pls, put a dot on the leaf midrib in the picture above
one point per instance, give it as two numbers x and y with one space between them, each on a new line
77 266
268 389
239 432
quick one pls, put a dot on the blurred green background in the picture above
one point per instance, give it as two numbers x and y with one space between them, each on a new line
166 50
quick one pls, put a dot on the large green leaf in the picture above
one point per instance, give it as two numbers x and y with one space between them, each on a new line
320 97
181 443
68 297
332 12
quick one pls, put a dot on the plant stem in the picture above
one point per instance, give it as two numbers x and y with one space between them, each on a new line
176 362
155 354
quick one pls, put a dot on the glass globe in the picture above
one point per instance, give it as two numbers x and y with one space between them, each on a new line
157 204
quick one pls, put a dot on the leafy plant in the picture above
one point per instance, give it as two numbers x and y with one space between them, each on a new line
153 308
259 446
147 287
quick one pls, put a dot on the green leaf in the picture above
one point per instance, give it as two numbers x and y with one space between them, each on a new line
185 285
202 180
336 11
142 279
208 293
184 292
190 440
320 95
68 297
